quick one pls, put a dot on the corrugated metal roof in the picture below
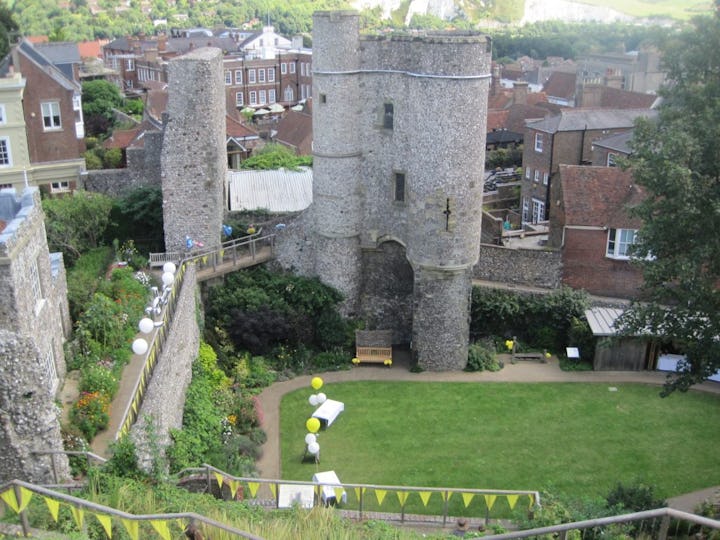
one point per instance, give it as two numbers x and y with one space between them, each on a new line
276 191
602 320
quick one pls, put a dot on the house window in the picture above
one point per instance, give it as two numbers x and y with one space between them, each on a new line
538 210
59 187
238 76
5 157
525 209
51 115
129 64
619 242
228 77
292 67
399 187
262 97
546 178
251 76
3 118
611 159
261 75
271 95
271 74
528 173
537 175
302 69
283 68
239 99
538 142
289 94
323 98
388 116
253 97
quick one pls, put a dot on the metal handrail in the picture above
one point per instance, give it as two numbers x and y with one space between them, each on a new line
95 507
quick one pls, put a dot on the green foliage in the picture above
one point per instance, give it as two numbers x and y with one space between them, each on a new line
580 335
675 160
98 378
84 278
75 224
100 97
133 107
481 357
634 497
504 157
113 158
138 216
276 156
93 161
336 358
541 321
123 460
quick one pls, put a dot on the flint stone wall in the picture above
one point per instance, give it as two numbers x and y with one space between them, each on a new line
530 267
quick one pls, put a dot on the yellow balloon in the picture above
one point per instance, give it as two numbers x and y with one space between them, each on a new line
316 383
312 425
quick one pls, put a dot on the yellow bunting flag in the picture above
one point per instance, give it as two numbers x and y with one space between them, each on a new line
219 478
234 485
467 498
9 498
512 501
106 522
222 252
425 497
204 259
338 493
132 528
53 506
446 495
380 494
273 489
532 500
402 497
358 491
78 514
25 495
253 488
161 527
490 500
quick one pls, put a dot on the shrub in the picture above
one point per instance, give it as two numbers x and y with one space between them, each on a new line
74 442
123 462
90 413
336 358
635 497
481 357
97 378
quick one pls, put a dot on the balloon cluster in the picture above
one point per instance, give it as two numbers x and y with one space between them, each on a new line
148 323
313 424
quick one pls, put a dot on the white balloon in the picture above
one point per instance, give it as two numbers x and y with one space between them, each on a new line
169 267
313 448
313 399
140 346
321 398
168 278
146 325
310 438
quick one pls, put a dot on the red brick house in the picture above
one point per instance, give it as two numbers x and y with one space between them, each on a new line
592 227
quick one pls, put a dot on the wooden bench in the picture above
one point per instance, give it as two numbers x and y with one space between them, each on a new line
373 346
375 355
529 356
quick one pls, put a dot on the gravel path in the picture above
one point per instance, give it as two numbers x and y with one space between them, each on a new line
523 371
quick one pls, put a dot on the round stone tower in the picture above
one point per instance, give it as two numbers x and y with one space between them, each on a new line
336 216
194 154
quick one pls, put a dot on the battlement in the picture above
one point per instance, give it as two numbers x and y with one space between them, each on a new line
16 211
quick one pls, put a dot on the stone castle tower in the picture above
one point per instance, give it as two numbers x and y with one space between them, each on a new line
34 323
399 126
194 160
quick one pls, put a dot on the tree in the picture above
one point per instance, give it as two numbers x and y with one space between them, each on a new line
8 26
76 224
675 159
100 98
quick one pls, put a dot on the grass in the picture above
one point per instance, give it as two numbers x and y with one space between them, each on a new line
675 9
578 439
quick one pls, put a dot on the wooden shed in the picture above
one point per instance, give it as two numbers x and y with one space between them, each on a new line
613 353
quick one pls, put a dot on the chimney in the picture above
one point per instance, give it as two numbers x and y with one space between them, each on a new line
496 86
520 90
614 79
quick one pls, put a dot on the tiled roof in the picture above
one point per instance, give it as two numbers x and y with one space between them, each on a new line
579 119
295 130
277 191
60 52
617 98
91 49
42 61
599 196
497 119
560 85
122 138
619 142
238 130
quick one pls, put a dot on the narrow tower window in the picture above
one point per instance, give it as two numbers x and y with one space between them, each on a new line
399 187
388 116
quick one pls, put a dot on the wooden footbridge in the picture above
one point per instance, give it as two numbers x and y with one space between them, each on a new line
228 257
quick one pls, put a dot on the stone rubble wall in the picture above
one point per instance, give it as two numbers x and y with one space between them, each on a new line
529 267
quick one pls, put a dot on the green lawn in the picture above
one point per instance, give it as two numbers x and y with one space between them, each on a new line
676 9
575 439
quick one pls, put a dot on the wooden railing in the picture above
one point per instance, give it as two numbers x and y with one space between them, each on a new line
17 494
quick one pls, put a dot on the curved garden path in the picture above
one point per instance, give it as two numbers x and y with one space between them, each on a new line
523 371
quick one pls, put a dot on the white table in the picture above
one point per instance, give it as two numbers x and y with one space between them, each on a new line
329 411
328 481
